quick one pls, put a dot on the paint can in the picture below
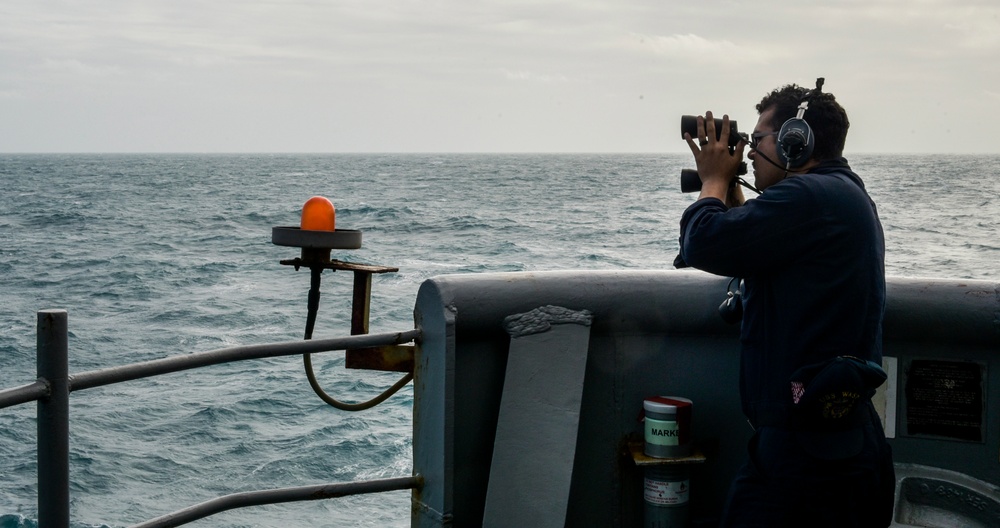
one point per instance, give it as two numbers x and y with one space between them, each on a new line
666 491
667 425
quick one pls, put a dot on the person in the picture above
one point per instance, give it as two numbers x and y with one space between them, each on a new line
810 253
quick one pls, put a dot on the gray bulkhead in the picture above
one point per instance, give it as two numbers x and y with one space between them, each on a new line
659 333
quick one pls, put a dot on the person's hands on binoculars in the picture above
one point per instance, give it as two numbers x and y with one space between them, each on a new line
717 166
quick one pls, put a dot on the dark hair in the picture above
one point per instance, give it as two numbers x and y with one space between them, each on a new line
825 116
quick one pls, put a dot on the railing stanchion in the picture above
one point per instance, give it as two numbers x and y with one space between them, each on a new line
53 420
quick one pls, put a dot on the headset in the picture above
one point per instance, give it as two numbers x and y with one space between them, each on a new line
795 138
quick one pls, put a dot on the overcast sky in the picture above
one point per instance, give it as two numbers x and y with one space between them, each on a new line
484 75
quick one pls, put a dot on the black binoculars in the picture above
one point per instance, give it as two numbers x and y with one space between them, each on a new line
690 182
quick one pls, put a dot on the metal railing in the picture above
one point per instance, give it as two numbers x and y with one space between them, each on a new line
55 383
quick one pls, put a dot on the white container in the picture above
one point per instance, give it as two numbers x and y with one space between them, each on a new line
667 425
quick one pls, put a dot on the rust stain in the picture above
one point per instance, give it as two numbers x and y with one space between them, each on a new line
393 358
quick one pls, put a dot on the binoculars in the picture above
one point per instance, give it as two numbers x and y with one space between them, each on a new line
690 182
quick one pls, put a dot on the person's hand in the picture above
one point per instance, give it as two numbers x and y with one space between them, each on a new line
717 167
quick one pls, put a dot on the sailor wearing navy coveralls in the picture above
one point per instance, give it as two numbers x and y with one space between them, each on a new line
810 251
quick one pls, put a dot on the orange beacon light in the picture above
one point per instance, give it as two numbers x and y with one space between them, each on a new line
318 214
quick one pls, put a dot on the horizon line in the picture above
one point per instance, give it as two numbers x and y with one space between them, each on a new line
428 152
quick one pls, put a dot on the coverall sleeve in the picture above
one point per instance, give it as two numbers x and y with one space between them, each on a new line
763 234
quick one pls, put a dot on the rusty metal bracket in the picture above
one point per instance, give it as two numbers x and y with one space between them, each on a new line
398 358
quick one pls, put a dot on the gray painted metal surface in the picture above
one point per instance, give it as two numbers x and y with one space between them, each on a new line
659 332
930 496
532 467
296 237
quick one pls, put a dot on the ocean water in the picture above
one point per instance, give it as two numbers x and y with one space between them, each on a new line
159 255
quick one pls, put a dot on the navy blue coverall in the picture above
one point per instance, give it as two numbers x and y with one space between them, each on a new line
810 250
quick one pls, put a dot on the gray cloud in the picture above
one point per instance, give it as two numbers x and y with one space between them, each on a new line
449 75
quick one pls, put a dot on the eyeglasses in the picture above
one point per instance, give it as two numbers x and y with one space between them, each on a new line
757 136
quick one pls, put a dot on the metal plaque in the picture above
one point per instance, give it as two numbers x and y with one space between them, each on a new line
945 399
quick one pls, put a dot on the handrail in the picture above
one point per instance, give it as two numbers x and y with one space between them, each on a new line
24 394
97 378
275 496
54 383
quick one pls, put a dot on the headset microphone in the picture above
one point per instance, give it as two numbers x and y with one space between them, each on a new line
795 138
771 161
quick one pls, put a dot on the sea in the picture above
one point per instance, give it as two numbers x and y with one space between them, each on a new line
157 255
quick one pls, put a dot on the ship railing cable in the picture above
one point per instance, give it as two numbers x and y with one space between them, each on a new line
313 309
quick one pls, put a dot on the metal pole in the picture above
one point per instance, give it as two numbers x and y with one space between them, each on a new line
23 394
277 496
155 367
53 420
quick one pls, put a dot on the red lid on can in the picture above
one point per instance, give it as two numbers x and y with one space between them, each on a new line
666 404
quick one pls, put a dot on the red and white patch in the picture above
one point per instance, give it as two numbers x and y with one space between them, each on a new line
797 391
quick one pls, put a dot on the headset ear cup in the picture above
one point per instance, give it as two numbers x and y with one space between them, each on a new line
795 143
